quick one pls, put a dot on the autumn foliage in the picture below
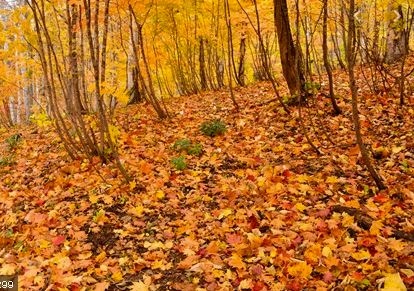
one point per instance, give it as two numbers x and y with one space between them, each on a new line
207 145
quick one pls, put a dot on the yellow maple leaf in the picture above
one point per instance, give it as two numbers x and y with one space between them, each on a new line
332 180
138 286
376 228
114 133
44 244
326 252
100 217
237 262
313 253
278 149
302 178
361 255
226 212
160 194
275 189
408 272
353 203
93 198
393 282
300 269
117 276
367 267
101 257
132 185
159 264
396 150
137 211
8 269
396 245
261 181
347 220
299 206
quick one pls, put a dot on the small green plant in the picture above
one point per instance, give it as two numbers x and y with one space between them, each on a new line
179 163
290 100
186 146
7 161
182 145
13 141
311 87
213 127
195 149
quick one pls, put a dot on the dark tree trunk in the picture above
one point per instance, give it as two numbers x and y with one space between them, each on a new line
287 48
202 62
240 71
325 58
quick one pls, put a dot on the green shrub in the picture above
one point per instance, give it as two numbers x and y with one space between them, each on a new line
311 87
182 145
7 161
186 145
213 127
179 163
195 149
13 141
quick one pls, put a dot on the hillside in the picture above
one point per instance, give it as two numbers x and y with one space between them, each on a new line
254 208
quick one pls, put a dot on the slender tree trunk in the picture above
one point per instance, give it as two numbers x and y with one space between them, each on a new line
327 64
229 53
202 63
241 69
351 55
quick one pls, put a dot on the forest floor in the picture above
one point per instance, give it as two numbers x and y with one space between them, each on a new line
257 210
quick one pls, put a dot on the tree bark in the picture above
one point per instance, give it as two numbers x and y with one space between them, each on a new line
327 64
287 48
201 60
397 36
351 55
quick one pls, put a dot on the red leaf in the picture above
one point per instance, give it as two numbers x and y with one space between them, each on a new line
257 269
357 276
40 202
202 252
234 239
323 213
287 173
328 277
321 226
259 286
294 286
58 240
380 198
236 282
253 222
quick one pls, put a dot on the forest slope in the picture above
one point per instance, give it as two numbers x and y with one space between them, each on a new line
256 209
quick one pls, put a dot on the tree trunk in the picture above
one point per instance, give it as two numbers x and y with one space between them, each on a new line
351 55
327 64
230 53
287 48
397 36
202 62
241 69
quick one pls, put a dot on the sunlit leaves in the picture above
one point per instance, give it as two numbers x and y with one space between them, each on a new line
300 270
